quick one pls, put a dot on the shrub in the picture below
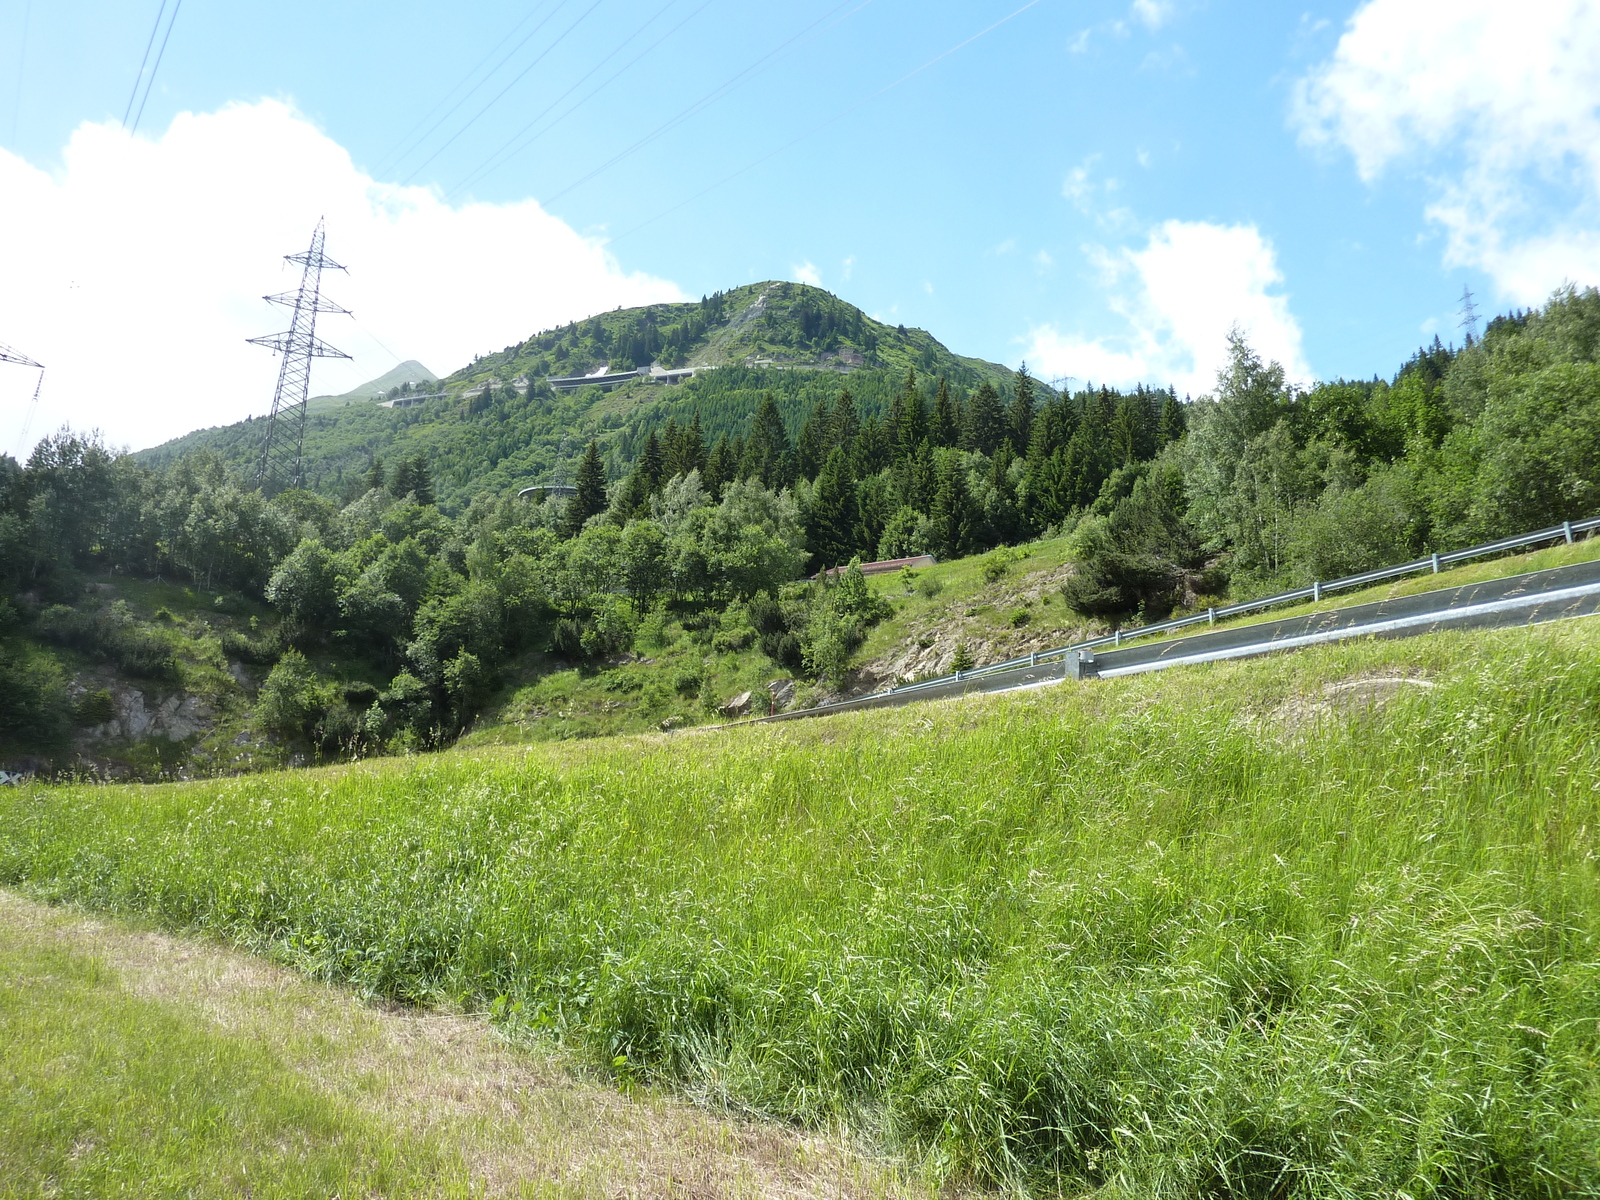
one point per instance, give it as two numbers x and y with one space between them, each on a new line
35 709
94 708
112 632
963 660
294 699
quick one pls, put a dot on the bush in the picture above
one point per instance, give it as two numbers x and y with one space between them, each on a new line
293 700
261 650
112 632
35 709
94 708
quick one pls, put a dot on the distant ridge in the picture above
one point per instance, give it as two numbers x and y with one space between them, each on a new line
410 371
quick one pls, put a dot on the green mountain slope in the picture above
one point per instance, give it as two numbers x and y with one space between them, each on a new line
410 371
500 425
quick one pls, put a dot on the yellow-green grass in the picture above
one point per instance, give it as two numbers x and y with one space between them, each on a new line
110 1093
1250 929
137 1063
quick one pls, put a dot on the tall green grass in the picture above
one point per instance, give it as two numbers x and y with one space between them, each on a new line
1163 936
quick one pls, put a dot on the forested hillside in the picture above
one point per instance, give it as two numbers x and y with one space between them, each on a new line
498 425
385 620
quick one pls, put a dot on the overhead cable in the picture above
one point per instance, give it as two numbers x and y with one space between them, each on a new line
506 150
407 143
150 83
139 78
714 95
820 126
517 79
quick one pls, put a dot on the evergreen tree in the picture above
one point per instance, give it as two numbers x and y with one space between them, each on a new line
1019 416
985 423
591 493
951 516
909 418
831 516
944 425
652 464
872 452
374 478
671 448
693 457
1004 519
1130 433
767 455
721 465
411 478
811 446
1173 424
843 424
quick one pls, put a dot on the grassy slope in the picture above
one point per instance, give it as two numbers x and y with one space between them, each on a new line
1211 932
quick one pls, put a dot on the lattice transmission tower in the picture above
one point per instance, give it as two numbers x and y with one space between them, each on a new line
281 448
11 355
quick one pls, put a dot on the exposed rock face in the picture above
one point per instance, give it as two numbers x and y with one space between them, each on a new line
930 647
739 706
782 693
177 717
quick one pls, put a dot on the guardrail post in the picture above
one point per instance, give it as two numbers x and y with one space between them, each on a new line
1118 634
1436 562
1211 616
1316 590
1566 528
1033 658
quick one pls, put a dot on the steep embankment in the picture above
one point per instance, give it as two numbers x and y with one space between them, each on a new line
1320 925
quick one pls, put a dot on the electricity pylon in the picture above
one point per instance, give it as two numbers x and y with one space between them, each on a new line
281 448
11 355
1469 316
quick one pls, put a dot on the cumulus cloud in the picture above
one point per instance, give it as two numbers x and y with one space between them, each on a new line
806 272
144 262
1178 297
1499 105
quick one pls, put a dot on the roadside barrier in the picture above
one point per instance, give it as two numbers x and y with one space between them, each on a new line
1567 531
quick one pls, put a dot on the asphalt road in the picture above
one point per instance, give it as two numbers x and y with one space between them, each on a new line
1531 599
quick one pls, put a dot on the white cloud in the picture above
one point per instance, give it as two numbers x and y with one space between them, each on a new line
849 266
1152 14
1499 105
144 261
1179 296
806 272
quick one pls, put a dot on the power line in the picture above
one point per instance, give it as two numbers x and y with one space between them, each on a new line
495 159
139 78
150 83
710 97
516 80
406 144
838 116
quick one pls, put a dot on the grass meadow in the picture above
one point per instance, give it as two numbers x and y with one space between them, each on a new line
1318 925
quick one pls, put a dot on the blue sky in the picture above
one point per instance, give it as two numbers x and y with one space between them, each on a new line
1102 188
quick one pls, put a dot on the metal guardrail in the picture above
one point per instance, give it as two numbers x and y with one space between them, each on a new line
1567 530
